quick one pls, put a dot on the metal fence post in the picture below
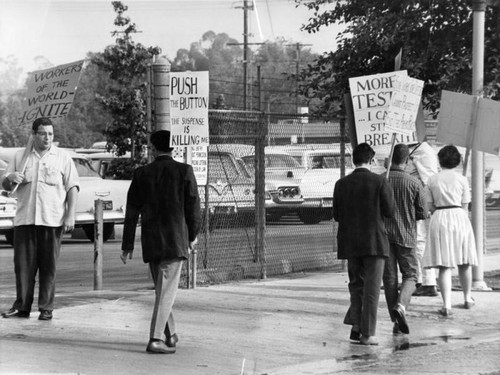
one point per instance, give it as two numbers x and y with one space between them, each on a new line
260 210
98 243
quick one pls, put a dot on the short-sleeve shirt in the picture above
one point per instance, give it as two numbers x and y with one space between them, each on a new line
449 188
41 197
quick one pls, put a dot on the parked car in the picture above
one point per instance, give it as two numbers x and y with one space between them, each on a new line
321 170
101 162
230 193
92 187
282 194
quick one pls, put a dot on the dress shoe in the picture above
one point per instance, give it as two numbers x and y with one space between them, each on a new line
399 313
355 335
159 347
425 291
172 341
396 330
14 313
444 312
469 304
368 340
45 315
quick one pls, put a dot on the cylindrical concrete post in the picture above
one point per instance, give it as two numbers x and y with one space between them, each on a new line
161 92
477 160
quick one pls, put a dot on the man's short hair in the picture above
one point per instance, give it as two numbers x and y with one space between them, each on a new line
400 154
41 121
161 140
362 154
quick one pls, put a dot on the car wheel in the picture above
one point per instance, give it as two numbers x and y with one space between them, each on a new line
108 230
310 217
9 236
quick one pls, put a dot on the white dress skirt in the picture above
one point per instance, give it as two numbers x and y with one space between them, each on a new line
450 238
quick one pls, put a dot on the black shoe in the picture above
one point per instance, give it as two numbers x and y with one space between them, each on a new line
45 315
172 341
425 291
14 313
396 330
355 335
399 314
159 347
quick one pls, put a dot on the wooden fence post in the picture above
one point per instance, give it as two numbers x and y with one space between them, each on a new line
98 243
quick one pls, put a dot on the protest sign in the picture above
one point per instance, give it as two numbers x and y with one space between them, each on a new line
189 109
469 121
405 101
198 159
51 92
371 97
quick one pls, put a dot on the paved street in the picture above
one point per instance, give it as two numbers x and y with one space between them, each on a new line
287 325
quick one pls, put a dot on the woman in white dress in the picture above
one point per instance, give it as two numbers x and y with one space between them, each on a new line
450 239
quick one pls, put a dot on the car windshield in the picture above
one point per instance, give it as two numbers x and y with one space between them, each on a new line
221 166
329 161
277 161
281 161
84 168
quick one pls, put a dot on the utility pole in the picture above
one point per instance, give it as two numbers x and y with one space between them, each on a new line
297 68
245 8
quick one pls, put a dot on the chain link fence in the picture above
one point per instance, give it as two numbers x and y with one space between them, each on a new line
267 205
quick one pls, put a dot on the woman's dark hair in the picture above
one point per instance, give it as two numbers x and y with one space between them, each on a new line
449 157
362 154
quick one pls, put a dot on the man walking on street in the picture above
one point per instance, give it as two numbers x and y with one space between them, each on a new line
46 184
165 195
402 232
361 200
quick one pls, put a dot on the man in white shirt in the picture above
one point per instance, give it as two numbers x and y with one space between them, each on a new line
45 182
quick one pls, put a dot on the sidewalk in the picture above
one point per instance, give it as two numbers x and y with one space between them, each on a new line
290 325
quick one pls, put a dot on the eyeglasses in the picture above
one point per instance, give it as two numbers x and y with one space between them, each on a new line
44 134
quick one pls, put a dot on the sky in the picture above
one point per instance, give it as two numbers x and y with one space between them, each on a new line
65 30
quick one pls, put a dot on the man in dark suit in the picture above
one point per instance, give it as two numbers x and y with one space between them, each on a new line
165 195
361 200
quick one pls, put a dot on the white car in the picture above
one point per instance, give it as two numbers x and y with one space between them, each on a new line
113 193
321 164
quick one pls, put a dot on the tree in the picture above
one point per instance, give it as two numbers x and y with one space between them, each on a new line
126 63
434 36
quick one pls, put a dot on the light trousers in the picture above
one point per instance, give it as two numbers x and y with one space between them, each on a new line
425 276
166 276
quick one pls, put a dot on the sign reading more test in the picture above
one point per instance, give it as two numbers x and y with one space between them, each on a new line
189 109
371 98
51 91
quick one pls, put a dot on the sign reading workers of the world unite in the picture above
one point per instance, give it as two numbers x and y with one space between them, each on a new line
189 109
51 91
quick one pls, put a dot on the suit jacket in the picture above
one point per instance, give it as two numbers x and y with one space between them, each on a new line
165 195
360 201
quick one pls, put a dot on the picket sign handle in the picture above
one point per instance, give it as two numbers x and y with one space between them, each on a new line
26 154
393 141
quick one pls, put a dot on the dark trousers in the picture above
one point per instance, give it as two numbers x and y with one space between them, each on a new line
166 276
365 279
36 249
406 258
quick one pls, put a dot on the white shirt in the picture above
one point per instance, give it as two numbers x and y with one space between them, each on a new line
41 197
